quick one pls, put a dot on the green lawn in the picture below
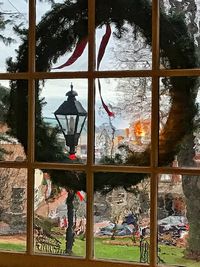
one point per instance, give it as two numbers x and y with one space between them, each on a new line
116 252
169 254
12 247
175 256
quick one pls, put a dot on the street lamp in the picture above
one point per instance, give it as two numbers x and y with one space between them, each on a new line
71 117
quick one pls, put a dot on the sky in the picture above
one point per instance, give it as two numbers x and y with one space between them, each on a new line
21 9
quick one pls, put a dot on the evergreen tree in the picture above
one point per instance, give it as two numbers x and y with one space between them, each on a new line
4 106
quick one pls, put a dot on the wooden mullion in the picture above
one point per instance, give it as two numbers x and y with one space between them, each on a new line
31 127
154 132
90 132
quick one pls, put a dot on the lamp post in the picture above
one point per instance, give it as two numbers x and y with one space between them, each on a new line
71 117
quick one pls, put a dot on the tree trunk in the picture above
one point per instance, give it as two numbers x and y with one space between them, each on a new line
70 215
191 189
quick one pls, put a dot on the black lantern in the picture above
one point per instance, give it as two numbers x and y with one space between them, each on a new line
71 117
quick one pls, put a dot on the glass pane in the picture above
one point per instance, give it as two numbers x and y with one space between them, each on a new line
50 140
13 120
64 122
80 123
122 216
178 220
123 121
71 124
60 212
61 38
126 39
179 121
179 38
13 206
13 39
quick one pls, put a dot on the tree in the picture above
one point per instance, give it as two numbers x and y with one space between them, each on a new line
4 106
132 52
178 50
4 22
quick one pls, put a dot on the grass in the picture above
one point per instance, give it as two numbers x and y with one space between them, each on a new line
12 247
171 255
116 252
175 256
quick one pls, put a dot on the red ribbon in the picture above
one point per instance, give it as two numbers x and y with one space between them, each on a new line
104 42
110 113
102 48
77 53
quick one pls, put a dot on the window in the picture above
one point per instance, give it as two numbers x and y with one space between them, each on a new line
114 178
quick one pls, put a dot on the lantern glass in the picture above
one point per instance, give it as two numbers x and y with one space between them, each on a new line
80 124
62 121
71 123
68 123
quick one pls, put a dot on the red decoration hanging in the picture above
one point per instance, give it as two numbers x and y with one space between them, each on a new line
110 113
81 195
77 53
102 48
72 156
104 42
